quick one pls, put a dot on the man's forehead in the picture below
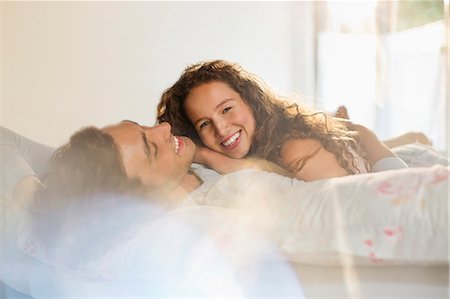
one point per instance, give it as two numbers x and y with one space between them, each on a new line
119 125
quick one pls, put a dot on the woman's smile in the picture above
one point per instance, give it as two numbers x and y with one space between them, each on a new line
232 141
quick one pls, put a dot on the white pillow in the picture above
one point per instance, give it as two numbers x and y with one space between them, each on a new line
420 155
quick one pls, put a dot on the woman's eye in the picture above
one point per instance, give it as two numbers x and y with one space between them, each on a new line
227 109
204 124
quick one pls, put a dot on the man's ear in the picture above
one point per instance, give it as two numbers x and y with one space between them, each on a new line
25 189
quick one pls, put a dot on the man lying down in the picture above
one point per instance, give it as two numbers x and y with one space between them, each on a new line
120 208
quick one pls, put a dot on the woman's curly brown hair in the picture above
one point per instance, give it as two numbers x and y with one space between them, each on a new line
277 120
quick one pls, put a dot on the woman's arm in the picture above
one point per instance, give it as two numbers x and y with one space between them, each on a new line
23 161
223 164
379 156
321 164
406 138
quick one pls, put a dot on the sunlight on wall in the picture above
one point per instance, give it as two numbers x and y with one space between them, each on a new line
71 64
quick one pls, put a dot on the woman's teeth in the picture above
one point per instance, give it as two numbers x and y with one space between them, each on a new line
232 139
177 144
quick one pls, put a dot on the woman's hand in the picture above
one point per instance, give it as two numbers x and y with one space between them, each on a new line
408 138
224 164
217 161
203 155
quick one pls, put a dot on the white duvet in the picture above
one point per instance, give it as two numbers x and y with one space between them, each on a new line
393 217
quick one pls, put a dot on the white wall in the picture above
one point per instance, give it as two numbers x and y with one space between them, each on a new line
70 64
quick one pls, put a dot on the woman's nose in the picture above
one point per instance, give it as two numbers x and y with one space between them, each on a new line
221 127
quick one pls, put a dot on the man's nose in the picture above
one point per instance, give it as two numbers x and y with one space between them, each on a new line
164 126
161 130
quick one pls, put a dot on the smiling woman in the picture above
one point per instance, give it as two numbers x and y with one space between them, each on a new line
234 114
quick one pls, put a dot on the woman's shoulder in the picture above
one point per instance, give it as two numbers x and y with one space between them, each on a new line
299 147
308 160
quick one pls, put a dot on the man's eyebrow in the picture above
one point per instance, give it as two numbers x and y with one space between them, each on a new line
147 149
145 144
155 152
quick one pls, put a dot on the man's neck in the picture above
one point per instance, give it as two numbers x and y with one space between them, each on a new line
189 183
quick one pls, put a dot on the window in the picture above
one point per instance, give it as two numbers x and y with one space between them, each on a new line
387 62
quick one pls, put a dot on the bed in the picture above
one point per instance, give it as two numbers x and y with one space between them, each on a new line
255 234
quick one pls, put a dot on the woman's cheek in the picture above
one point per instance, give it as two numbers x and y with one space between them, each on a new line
204 139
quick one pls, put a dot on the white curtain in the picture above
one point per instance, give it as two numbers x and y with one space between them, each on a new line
413 96
391 80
